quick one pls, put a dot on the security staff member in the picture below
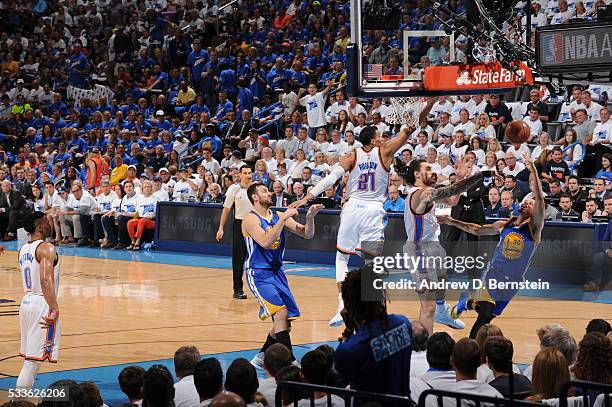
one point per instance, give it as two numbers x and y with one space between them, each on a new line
237 195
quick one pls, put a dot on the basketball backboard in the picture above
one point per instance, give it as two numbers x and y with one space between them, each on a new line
389 54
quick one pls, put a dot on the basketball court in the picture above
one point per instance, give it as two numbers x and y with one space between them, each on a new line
121 308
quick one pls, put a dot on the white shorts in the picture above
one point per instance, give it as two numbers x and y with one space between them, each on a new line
360 221
37 342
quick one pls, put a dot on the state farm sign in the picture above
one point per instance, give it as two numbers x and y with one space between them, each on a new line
476 76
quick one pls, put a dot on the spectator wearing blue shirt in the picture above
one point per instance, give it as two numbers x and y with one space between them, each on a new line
223 108
62 155
57 106
227 81
366 356
298 77
269 57
278 75
212 141
258 82
197 60
79 67
394 202
317 63
161 79
199 106
246 101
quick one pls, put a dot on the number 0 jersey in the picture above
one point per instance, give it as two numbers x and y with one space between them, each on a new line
369 178
30 268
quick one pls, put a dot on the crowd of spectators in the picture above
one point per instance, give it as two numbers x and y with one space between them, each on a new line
365 361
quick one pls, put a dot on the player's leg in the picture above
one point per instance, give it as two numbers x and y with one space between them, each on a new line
28 373
346 244
486 314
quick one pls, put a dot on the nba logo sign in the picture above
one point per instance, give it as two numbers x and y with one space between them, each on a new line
553 51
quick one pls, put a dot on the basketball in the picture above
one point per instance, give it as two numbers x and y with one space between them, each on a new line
517 132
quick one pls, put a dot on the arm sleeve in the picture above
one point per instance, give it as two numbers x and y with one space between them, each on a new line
336 173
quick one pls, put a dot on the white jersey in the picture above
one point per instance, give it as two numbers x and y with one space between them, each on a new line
420 228
30 269
369 178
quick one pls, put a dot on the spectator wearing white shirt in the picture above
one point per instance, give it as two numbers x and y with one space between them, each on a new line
77 215
305 143
361 124
513 166
534 123
315 107
464 102
186 359
465 361
377 107
355 109
563 15
186 187
543 144
341 104
208 380
444 127
593 108
445 146
603 131
464 124
538 18
423 145
459 147
343 124
209 163
351 142
418 358
443 105
484 129
298 166
19 90
476 148
160 193
480 104
105 204
146 205
568 109
276 357
337 145
379 124
518 150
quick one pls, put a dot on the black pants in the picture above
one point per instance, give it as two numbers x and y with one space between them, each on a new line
98 232
8 222
86 226
122 235
110 228
239 253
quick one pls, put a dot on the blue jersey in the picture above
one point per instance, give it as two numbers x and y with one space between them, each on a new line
259 257
514 251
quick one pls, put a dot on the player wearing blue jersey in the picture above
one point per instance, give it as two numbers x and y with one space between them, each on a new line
264 235
519 237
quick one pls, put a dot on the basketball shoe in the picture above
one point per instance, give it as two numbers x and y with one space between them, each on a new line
443 316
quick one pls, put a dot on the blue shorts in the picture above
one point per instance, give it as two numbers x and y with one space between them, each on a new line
271 289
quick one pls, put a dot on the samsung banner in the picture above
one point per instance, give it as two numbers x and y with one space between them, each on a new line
575 48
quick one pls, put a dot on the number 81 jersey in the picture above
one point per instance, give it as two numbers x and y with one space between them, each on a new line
368 178
30 268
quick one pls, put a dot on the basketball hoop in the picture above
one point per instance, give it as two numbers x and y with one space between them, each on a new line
404 111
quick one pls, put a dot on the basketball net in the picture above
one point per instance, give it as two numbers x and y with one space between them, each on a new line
404 111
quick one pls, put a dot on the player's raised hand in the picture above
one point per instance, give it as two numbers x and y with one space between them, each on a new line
313 210
49 320
298 203
528 161
290 213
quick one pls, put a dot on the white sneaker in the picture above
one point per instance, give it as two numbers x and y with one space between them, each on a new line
443 316
336 320
258 361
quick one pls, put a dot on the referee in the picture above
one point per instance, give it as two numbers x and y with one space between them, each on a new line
237 195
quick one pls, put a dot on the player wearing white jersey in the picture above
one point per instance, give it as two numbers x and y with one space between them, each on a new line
38 312
423 230
363 216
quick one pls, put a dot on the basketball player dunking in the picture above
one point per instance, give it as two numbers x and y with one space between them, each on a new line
264 235
38 312
423 230
519 237
363 216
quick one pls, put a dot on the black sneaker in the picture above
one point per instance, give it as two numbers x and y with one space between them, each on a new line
240 296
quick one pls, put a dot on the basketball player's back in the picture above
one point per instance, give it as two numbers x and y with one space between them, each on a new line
368 179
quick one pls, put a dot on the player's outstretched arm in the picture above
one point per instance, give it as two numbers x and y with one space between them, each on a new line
346 163
307 230
472 228
539 206
47 255
252 227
